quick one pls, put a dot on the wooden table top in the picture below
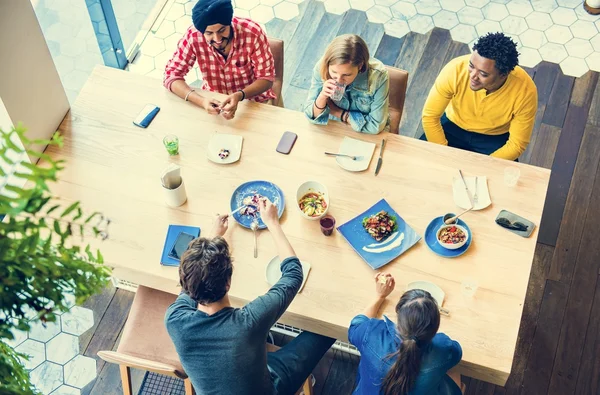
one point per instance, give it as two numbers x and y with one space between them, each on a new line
115 167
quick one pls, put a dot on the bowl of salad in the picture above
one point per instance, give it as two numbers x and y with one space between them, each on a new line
452 236
313 200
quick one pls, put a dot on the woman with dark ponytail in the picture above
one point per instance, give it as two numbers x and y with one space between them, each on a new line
408 357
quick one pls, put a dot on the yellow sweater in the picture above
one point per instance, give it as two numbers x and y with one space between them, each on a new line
511 108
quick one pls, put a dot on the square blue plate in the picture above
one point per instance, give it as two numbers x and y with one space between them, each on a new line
375 253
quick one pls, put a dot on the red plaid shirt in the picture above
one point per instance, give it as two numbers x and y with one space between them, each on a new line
250 59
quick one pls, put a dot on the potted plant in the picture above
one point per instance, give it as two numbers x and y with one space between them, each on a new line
42 257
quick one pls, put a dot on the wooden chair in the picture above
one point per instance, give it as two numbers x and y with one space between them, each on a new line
398 84
146 345
277 50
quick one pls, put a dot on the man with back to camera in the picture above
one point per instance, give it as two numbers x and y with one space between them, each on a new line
483 102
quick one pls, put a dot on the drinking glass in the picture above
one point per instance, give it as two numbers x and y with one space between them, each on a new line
338 93
511 176
327 225
469 287
171 143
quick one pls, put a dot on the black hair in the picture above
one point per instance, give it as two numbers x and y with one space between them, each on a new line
500 48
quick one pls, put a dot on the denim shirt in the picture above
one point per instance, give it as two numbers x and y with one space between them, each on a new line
366 98
376 339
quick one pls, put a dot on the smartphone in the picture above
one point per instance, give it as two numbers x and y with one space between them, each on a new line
515 223
286 143
146 116
180 245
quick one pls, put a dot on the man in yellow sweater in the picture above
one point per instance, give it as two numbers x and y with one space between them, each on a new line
483 102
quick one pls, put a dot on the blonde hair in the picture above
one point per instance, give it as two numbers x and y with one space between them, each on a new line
344 49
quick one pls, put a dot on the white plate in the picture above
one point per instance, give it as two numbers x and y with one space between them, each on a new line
220 141
273 272
355 147
460 194
435 291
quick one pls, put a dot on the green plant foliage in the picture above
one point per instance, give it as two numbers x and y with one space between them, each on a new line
40 260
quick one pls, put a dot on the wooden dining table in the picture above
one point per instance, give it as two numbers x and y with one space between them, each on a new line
115 167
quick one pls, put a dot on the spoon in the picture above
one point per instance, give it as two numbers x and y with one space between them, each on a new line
452 220
344 155
254 226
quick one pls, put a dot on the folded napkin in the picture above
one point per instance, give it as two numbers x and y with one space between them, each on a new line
171 177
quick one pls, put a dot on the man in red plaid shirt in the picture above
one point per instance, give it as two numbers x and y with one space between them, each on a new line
233 55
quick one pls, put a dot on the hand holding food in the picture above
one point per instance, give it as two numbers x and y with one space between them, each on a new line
268 212
220 225
384 284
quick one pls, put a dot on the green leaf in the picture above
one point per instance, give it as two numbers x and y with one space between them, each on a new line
79 214
57 228
88 219
52 209
99 258
69 209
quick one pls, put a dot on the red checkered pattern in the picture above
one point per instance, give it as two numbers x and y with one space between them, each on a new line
250 59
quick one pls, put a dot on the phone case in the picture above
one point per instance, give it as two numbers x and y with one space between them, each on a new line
286 143
516 218
143 120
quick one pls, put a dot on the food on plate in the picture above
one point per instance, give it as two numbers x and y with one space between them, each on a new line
223 153
380 225
452 235
251 203
313 204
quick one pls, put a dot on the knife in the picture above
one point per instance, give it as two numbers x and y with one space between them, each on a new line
466 188
380 160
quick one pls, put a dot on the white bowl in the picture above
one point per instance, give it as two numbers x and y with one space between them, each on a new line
312 186
452 246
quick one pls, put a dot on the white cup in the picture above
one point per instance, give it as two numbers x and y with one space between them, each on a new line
511 176
175 197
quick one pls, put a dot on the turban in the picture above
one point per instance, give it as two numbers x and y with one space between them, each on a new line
211 12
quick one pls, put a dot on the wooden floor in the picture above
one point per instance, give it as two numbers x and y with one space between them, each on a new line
559 340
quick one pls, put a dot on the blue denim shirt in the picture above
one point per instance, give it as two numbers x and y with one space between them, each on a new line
367 99
376 339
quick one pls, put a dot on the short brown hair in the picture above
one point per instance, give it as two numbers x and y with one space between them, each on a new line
347 48
205 270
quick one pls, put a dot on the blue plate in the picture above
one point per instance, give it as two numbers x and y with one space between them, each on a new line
263 188
375 253
432 243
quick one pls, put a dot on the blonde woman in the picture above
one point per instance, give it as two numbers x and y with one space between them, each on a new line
349 86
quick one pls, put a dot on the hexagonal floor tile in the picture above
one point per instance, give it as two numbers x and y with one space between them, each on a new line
75 81
463 33
79 319
262 14
582 15
286 10
488 27
595 41
552 52
176 11
495 12
20 337
80 371
66 390
403 10
519 8
47 377
270 3
379 14
152 46
183 24
569 3
538 21
428 7
445 19
533 39
246 4
73 47
513 25
529 57
452 5
62 348
574 67
64 64
44 332
396 28
593 61
544 5
579 48
558 34
35 351
165 30
421 24
361 5
583 29
385 3
470 16
477 3
563 16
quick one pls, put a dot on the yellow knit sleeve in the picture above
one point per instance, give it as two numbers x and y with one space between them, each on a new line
439 96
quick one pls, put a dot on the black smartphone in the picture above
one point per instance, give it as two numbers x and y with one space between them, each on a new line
146 116
515 223
286 143
180 245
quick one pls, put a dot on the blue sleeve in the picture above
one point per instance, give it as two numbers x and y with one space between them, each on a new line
266 309
358 330
316 86
375 121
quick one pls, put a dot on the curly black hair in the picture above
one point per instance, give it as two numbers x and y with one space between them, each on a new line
500 48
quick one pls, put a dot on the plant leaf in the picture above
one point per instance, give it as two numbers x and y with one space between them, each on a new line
69 209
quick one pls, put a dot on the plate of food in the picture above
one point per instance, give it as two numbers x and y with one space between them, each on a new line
313 200
437 230
224 149
248 194
379 235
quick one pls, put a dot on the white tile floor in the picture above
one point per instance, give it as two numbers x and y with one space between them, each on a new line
56 368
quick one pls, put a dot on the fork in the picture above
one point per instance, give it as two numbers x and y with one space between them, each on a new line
344 155
475 196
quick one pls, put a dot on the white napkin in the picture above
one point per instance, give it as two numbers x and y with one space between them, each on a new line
460 194
171 177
